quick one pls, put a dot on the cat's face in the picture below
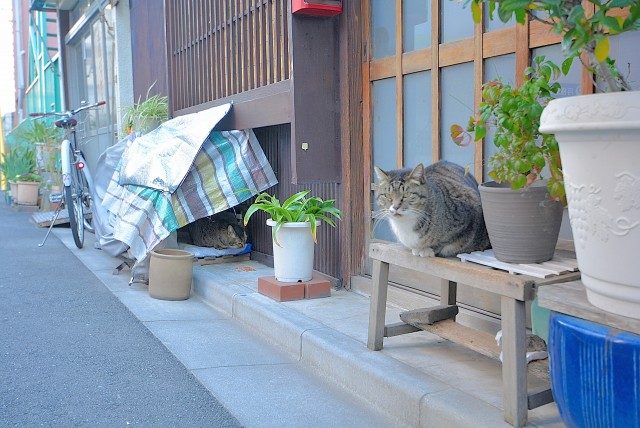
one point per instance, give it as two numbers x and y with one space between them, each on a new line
236 237
400 191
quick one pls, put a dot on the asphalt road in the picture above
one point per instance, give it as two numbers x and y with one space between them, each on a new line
72 355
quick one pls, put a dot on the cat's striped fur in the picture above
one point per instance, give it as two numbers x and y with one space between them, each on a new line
434 210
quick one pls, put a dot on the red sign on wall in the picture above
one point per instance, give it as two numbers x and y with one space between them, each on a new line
316 7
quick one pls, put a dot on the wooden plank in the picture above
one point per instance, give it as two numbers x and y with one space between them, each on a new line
522 51
541 34
428 316
476 340
499 42
275 42
203 261
378 305
448 292
478 75
382 68
538 398
399 88
457 52
415 61
435 80
44 218
514 363
366 120
571 298
517 287
399 328
225 49
268 44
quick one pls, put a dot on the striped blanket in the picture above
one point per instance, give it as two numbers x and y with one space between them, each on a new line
229 169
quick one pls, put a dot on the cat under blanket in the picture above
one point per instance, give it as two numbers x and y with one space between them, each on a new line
222 230
434 210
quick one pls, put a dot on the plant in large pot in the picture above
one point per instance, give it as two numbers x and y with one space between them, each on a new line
18 162
599 138
522 207
294 224
144 116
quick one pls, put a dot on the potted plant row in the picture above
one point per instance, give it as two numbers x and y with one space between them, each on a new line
18 166
294 224
523 206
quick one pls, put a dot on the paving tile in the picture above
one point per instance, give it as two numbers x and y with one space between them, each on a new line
146 308
285 395
204 344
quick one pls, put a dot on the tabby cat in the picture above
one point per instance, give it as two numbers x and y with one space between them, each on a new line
222 230
434 211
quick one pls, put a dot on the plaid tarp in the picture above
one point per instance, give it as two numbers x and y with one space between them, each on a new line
229 169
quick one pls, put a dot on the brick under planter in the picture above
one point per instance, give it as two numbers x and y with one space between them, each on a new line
285 291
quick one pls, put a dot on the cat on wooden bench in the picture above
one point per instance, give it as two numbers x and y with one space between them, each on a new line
221 230
433 210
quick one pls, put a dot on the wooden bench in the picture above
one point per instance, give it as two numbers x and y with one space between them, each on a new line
514 291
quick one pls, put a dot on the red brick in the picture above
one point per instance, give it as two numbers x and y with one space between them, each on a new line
316 288
280 291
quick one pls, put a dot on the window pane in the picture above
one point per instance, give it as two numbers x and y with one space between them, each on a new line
503 68
456 108
624 49
383 97
416 24
383 27
495 23
457 22
571 82
417 119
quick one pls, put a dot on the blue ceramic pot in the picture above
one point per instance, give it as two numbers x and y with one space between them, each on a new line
595 373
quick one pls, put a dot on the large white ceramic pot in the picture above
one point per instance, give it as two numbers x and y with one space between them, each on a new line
293 253
599 138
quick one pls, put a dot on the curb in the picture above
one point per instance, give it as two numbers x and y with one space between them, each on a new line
401 392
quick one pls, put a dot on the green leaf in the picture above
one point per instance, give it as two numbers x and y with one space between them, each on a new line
476 11
602 49
481 131
566 65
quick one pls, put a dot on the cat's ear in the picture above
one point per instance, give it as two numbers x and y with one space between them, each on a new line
380 174
417 174
231 231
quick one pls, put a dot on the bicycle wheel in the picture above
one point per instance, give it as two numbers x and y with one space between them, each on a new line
86 199
75 207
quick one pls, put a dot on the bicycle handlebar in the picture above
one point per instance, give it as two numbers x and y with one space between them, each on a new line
70 112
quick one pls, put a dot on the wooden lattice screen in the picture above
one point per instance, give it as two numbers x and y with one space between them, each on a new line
221 48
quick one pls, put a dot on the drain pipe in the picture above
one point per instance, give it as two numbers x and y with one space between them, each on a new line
19 54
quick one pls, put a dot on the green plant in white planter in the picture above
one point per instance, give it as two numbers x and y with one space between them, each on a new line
522 207
599 139
294 224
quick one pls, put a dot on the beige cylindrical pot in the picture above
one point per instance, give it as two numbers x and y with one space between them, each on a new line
523 225
27 193
599 139
170 274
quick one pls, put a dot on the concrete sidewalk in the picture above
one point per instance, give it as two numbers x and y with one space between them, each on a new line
416 380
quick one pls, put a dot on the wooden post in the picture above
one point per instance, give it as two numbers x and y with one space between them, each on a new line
448 293
514 361
378 308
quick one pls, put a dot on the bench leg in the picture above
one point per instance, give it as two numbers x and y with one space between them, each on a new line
378 306
448 293
514 361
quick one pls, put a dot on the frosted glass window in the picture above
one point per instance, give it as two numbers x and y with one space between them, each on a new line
384 123
457 22
416 24
383 97
417 119
456 107
383 27
495 23
571 82
503 68
624 50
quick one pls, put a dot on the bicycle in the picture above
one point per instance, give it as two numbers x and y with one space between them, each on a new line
76 177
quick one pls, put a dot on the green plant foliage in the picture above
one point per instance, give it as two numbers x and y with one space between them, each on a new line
581 32
154 108
297 208
515 115
41 132
19 161
31 177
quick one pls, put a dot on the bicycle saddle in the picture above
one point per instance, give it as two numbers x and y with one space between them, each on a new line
67 122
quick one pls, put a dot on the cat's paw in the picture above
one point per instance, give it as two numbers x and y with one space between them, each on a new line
427 252
415 252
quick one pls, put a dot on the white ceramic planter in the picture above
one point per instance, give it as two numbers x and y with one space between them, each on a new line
293 258
599 138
